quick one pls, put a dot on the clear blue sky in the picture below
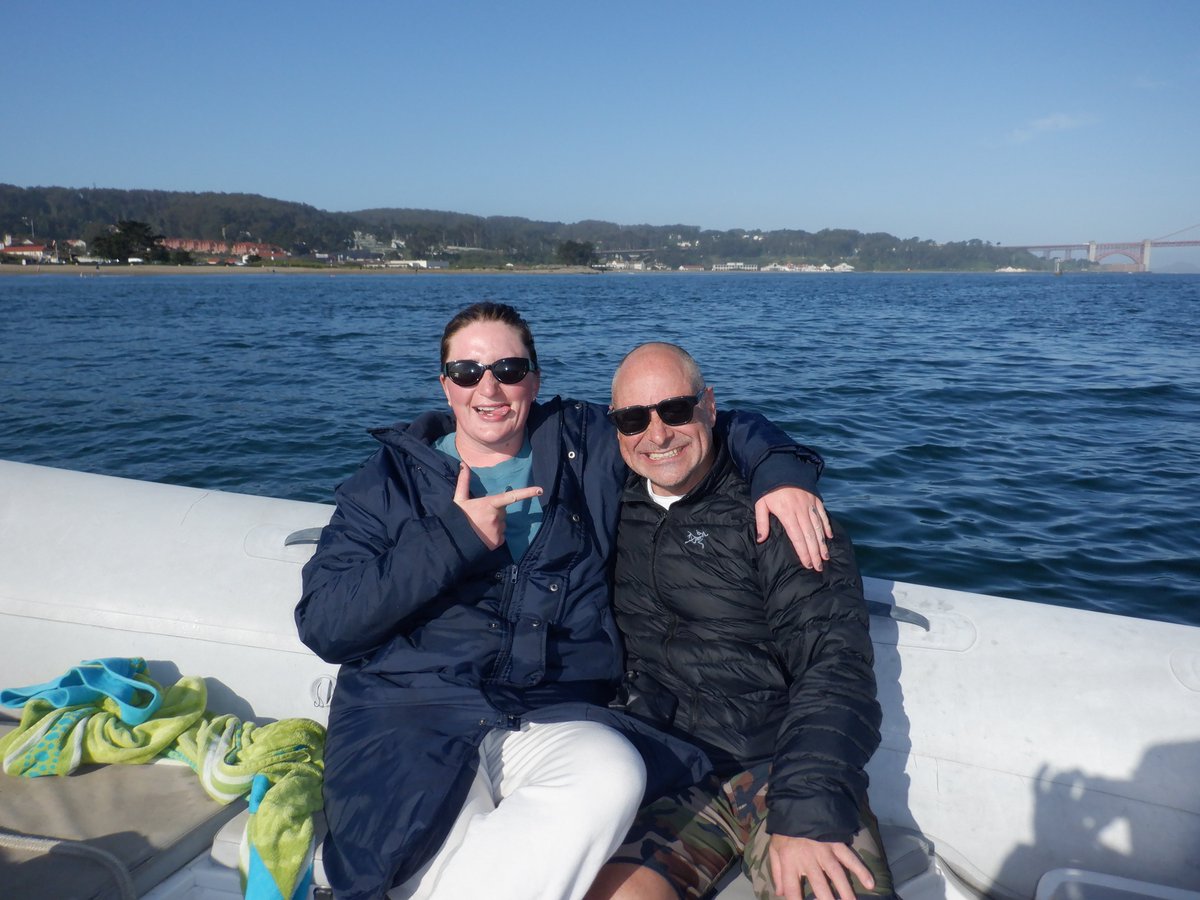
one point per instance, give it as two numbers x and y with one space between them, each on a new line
1008 122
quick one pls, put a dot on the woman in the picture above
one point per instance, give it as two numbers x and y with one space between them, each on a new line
462 586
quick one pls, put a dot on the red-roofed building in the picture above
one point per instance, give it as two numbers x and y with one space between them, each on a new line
29 252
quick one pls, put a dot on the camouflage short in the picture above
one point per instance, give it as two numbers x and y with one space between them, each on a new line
692 839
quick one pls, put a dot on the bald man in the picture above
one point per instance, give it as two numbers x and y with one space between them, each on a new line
736 646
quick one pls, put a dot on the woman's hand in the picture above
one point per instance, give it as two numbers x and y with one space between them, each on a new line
486 514
802 516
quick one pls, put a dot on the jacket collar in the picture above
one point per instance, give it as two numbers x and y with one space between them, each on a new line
545 427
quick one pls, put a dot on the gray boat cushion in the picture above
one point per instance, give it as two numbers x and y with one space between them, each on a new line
153 818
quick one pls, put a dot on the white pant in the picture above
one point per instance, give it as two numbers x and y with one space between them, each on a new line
549 805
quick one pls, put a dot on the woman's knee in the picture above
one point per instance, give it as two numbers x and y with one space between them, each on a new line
595 764
617 777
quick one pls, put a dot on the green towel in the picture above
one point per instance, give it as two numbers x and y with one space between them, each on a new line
225 753
52 741
279 837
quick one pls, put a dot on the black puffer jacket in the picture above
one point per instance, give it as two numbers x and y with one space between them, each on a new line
752 656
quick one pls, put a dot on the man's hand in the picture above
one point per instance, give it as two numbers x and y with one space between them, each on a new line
802 516
486 514
823 863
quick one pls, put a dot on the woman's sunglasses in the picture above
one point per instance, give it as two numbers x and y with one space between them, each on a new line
467 372
673 411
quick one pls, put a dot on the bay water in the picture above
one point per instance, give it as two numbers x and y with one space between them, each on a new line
1019 435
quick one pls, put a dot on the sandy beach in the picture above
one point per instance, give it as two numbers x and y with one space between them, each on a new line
262 271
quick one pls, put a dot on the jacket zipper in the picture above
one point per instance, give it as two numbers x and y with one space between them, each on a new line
504 654
672 618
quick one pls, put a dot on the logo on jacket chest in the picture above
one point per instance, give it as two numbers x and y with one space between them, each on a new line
696 539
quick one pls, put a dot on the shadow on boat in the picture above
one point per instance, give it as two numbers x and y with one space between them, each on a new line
1108 826
220 695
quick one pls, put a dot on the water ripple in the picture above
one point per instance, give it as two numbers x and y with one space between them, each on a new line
1033 437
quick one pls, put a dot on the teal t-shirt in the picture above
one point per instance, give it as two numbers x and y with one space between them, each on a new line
522 520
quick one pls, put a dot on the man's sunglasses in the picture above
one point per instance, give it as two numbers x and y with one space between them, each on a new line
467 372
673 411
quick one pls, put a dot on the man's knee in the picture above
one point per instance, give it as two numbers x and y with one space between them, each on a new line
629 881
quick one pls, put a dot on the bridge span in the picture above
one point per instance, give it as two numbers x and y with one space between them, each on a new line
1138 252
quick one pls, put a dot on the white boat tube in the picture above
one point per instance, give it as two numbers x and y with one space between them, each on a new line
1018 738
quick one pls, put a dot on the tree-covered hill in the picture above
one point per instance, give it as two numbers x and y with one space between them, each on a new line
59 213
65 213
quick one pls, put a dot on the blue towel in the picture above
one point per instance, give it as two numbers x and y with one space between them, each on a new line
137 699
264 865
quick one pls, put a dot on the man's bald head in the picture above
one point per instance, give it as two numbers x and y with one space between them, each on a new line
674 457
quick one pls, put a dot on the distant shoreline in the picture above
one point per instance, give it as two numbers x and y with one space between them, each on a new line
81 271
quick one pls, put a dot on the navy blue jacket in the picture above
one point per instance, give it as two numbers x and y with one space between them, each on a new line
441 640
